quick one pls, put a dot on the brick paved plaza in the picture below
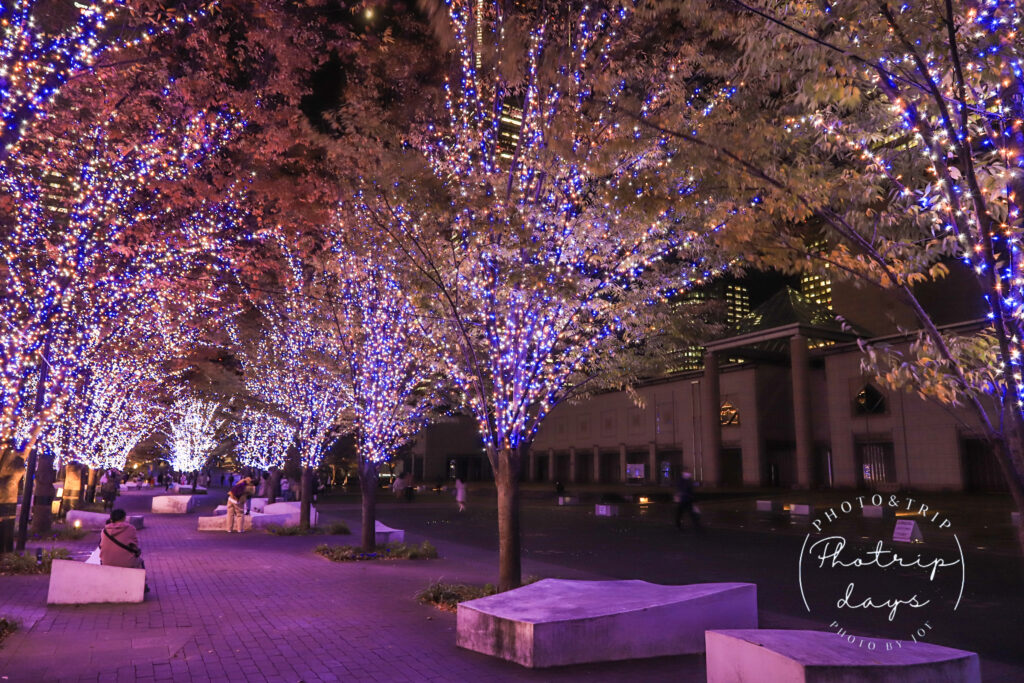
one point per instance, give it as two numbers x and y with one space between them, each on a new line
258 607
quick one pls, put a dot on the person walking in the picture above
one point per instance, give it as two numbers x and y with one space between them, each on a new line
460 494
236 504
684 500
285 489
109 491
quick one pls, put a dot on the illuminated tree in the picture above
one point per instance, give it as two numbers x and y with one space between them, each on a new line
555 233
288 364
263 439
885 145
109 413
192 434
384 367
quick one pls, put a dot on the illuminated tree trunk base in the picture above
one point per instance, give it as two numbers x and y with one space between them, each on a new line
272 484
90 491
42 499
307 497
73 486
10 476
506 479
368 487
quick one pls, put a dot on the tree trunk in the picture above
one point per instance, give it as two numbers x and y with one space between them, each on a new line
272 486
90 491
307 497
72 486
506 479
10 476
368 487
42 505
26 499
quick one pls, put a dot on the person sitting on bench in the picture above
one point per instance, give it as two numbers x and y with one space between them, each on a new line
119 542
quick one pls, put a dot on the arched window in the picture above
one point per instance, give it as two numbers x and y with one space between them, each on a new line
869 401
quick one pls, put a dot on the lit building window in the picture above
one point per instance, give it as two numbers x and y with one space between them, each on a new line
730 417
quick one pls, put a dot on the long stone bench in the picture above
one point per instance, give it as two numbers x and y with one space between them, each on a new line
186 489
556 622
87 520
79 583
780 656
292 510
383 534
173 504
220 523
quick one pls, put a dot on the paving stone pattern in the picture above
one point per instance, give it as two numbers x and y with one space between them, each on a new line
257 607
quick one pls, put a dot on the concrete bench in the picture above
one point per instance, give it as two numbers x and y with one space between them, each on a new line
91 521
292 510
555 622
80 583
766 506
799 510
568 500
383 534
186 489
258 504
173 504
602 510
780 656
220 523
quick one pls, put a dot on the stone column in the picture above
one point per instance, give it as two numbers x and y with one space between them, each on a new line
597 464
572 465
801 376
551 465
652 464
622 463
711 422
533 466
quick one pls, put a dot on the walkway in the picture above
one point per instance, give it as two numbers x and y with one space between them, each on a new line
258 607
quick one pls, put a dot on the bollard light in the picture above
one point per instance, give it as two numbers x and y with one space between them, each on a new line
78 524
644 500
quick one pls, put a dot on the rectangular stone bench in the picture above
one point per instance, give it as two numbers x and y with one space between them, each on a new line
91 521
767 506
782 656
568 500
555 622
173 504
383 534
80 583
799 510
258 504
220 523
606 510
292 510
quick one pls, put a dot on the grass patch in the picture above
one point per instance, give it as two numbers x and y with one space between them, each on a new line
7 627
334 529
63 532
447 596
12 563
338 529
279 530
391 551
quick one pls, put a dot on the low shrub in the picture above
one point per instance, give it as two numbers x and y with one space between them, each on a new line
447 596
63 532
293 530
338 529
391 551
13 563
